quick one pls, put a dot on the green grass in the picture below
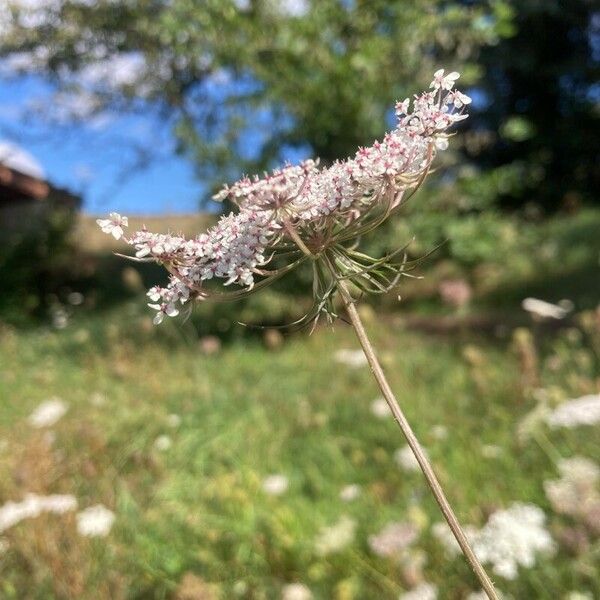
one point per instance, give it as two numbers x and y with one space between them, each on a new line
248 412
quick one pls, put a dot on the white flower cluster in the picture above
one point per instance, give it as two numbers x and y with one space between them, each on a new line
511 538
393 539
424 591
336 537
579 411
95 521
577 492
48 413
33 506
300 202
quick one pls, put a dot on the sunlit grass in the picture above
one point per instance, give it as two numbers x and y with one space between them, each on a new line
247 412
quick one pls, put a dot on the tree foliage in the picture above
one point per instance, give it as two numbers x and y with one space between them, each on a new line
246 84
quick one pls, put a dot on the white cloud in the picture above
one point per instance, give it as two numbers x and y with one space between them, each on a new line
16 158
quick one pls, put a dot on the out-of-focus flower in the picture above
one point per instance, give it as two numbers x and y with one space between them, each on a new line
113 225
512 538
95 521
579 596
98 399
48 413
577 492
34 505
296 591
380 408
405 458
579 411
393 539
443 534
491 451
163 442
439 432
275 485
546 310
456 292
424 591
173 420
210 344
351 358
350 492
336 537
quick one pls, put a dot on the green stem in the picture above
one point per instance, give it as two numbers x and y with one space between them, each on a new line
414 444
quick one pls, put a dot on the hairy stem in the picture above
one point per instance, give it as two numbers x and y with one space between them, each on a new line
414 444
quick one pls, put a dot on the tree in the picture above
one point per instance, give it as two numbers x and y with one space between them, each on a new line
247 83
540 95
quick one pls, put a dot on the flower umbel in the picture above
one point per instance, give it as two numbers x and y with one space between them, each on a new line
306 213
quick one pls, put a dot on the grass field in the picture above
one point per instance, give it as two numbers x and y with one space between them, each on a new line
178 443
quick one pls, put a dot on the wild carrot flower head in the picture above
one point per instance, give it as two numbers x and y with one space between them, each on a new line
306 213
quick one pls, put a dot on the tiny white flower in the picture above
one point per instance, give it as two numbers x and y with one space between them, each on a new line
573 413
95 521
439 432
543 309
48 413
334 538
491 451
380 408
405 458
393 539
350 492
351 358
163 442
441 142
173 420
113 225
275 485
424 591
98 399
296 591
34 505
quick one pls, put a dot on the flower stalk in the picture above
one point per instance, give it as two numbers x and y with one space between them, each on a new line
413 442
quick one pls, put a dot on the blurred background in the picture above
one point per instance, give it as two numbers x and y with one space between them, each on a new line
207 459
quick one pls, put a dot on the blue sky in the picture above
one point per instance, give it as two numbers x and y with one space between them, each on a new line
94 158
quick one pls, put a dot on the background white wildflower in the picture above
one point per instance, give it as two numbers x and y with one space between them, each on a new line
162 443
380 408
393 538
443 534
405 458
336 537
512 538
578 411
424 591
351 358
275 485
34 505
350 492
546 310
48 413
296 591
173 420
577 492
95 521
439 432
